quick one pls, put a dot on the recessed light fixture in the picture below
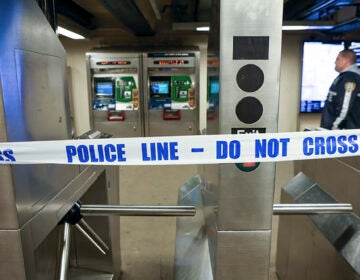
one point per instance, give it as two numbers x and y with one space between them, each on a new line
203 28
307 25
68 33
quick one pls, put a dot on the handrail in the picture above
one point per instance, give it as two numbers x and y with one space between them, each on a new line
141 210
312 208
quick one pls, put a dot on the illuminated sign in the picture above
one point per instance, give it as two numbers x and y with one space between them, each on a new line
114 62
171 62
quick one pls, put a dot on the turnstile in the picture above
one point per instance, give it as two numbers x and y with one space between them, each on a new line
34 105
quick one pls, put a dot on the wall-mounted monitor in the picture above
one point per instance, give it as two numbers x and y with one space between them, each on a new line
104 87
318 72
355 46
214 86
159 87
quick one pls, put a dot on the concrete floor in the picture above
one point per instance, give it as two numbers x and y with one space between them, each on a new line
148 244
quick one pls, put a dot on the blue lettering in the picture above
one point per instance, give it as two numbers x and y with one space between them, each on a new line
159 151
307 142
71 152
271 148
8 153
354 146
120 152
92 154
83 153
343 147
145 156
234 149
331 145
109 153
284 142
260 148
173 151
221 149
162 151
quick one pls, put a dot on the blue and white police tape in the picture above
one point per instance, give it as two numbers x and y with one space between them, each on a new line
174 150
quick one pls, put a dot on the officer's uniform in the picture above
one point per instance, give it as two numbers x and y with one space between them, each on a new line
342 106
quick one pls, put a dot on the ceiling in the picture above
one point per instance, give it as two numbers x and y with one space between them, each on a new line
154 20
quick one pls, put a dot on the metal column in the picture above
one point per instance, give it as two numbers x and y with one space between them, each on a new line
250 51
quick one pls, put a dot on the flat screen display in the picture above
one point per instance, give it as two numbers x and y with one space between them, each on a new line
318 72
214 86
104 88
160 87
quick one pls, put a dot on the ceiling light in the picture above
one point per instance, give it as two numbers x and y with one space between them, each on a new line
203 28
68 33
307 25
191 26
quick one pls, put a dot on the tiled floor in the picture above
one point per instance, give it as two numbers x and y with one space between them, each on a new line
148 244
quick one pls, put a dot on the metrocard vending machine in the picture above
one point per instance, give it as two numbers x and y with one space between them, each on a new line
171 88
114 93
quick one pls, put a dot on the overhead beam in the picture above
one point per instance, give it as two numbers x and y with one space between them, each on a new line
128 13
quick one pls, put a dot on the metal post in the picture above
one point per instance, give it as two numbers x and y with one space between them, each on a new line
64 264
312 208
108 210
89 237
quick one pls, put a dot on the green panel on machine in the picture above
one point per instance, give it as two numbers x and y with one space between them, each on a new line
180 86
124 87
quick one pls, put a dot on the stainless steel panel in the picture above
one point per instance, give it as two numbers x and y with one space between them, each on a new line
196 236
35 101
243 255
132 125
246 198
8 212
154 125
105 190
11 255
303 252
159 127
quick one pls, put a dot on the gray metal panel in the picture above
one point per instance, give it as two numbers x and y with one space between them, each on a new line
154 125
243 255
11 255
159 127
35 100
246 198
132 126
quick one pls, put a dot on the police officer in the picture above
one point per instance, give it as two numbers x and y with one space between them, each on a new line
342 106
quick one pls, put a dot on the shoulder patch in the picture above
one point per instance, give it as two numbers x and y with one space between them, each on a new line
350 86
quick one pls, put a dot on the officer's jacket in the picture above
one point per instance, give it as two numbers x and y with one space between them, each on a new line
342 106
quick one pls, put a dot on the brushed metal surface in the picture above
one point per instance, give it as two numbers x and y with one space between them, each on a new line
303 252
196 236
245 198
154 125
159 127
107 228
133 125
11 255
243 255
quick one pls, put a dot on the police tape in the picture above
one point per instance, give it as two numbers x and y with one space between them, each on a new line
176 150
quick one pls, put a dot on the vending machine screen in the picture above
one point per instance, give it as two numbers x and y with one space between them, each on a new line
160 87
104 88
